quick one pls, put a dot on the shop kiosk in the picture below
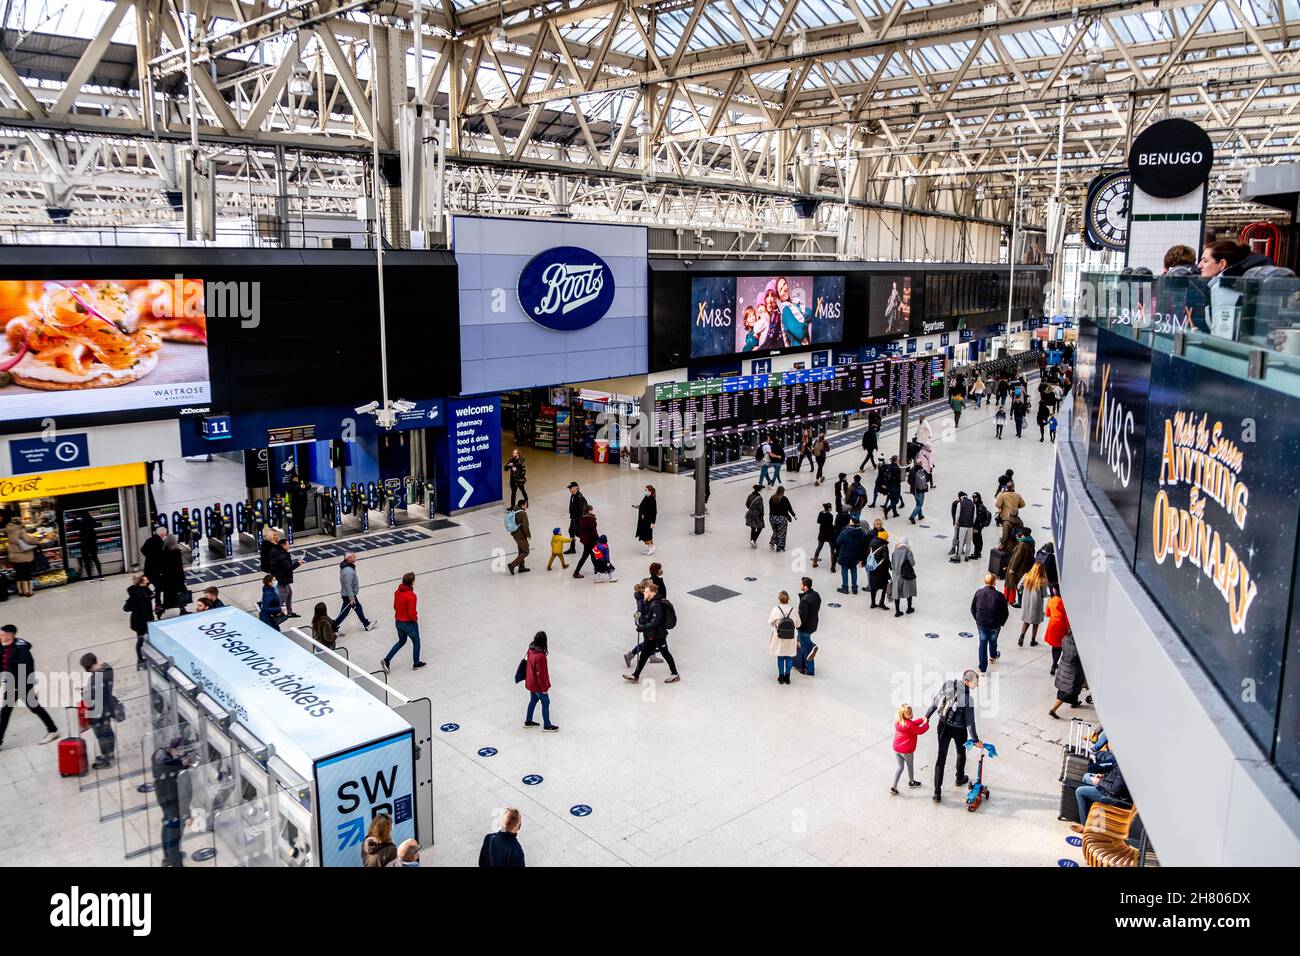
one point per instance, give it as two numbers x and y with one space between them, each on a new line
288 750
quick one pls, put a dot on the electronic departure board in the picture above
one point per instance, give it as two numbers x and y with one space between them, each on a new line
720 405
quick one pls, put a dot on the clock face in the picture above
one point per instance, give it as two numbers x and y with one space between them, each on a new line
1107 212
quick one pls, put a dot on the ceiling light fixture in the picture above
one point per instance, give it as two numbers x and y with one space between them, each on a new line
799 43
300 80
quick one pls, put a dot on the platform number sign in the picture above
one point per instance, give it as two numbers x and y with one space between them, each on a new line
355 787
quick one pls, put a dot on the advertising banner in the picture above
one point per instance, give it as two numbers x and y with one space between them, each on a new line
75 347
470 452
1218 526
73 482
283 694
354 787
891 306
1060 509
1118 438
738 314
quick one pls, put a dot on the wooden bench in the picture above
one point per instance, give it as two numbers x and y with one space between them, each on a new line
1105 836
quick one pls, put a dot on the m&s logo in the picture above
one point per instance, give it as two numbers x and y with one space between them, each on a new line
566 288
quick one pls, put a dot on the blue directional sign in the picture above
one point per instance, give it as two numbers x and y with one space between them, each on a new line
580 810
31 455
532 780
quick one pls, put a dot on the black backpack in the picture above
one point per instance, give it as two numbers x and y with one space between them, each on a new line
670 614
982 517
785 629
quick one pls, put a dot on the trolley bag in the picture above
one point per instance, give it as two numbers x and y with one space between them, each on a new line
998 561
72 757
792 463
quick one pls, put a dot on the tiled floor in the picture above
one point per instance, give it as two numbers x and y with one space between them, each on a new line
726 767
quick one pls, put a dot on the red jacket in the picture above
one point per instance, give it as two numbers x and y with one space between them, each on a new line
587 533
1058 625
906 732
404 603
537 678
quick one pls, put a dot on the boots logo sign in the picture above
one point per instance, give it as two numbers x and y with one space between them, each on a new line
566 288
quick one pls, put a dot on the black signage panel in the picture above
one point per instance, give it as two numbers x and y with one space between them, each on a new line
1171 158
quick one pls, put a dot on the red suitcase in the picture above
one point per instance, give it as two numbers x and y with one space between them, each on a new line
72 757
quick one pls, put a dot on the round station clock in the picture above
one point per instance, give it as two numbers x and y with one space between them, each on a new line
1106 212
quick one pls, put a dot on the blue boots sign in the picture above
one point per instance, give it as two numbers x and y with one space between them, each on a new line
566 288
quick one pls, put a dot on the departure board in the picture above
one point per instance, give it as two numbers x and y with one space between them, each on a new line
739 402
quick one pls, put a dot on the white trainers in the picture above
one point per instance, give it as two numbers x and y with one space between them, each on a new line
49 738
370 626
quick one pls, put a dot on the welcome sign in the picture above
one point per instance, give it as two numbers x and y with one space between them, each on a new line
566 288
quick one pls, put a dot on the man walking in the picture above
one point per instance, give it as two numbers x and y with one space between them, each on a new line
17 680
653 625
282 566
502 849
521 533
810 603
518 477
101 706
956 709
350 592
408 622
989 608
892 478
577 508
963 528
870 442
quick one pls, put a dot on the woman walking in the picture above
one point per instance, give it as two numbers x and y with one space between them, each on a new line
906 730
322 626
903 567
589 535
754 515
646 513
781 513
537 679
1022 559
139 604
1033 598
1069 677
821 447
784 642
977 390
1058 625
879 569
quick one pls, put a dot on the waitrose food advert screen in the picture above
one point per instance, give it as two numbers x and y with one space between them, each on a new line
92 346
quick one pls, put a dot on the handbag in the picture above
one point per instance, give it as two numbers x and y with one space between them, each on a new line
521 671
907 571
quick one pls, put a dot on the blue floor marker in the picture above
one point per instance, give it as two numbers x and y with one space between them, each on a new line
832 604
203 855
144 788
487 751
532 780
965 634
580 810
449 728
1066 863
932 636
1074 840
751 579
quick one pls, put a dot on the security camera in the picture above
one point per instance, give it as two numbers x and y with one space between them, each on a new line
402 405
386 417
367 408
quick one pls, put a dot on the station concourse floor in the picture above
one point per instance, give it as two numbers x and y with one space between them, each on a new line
724 768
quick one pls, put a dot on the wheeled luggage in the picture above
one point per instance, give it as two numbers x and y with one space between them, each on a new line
72 757
998 561
792 463
1074 764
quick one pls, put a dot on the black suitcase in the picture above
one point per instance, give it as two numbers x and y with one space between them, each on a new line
792 463
998 561
913 449
1069 807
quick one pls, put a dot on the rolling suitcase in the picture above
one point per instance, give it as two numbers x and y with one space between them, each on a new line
72 757
792 464
998 561
1074 764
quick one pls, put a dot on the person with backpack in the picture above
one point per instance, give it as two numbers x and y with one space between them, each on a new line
537 681
600 561
919 483
906 729
955 706
589 535
857 499
754 515
904 576
870 443
963 528
810 603
825 533
850 551
784 642
879 568
780 513
517 527
983 518
655 618
820 449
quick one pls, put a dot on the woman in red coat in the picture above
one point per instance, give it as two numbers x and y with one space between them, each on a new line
1058 625
906 730
538 681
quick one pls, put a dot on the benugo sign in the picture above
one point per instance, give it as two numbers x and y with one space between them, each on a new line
78 480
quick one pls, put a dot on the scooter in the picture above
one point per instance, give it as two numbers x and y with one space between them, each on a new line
979 791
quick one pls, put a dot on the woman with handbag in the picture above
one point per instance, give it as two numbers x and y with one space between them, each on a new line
537 678
271 612
139 604
22 552
903 564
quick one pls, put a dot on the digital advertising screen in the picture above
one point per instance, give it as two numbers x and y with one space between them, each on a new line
891 306
78 347
739 314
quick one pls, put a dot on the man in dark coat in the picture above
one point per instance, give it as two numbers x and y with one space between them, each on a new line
989 608
577 502
282 566
810 603
152 551
167 765
502 849
18 675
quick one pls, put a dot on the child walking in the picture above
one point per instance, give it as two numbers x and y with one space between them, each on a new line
1000 420
601 562
906 730
1051 429
558 541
